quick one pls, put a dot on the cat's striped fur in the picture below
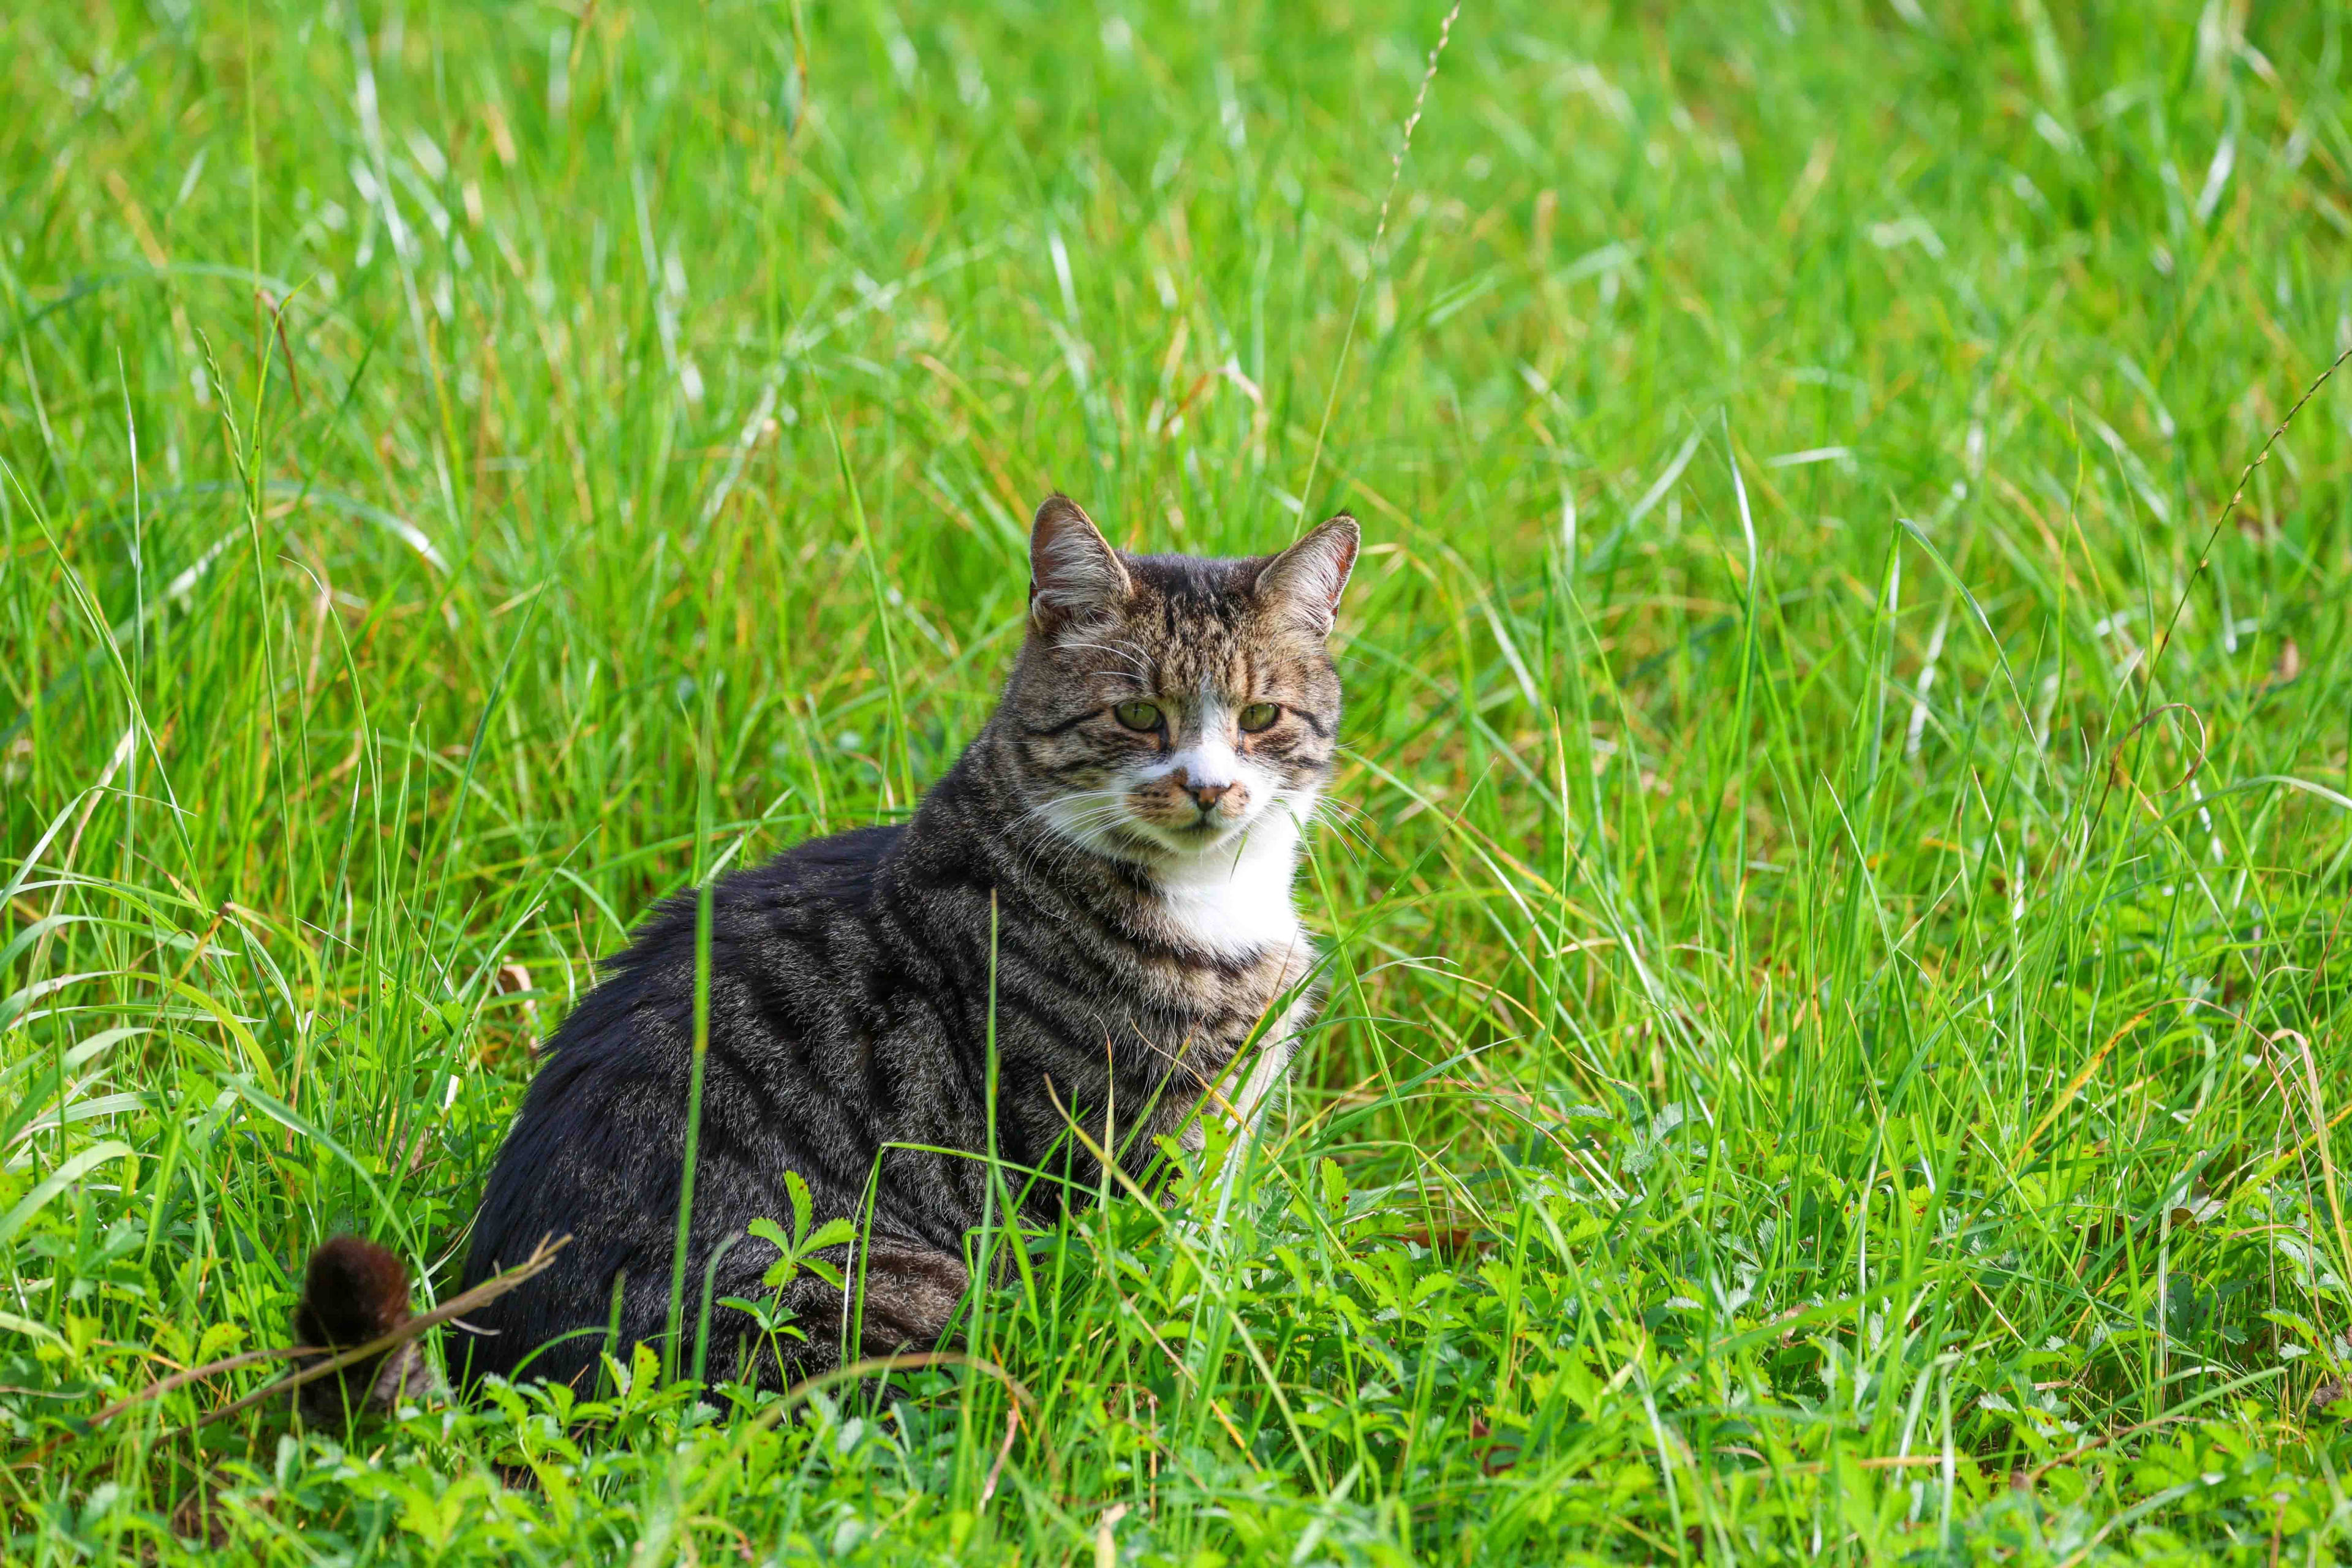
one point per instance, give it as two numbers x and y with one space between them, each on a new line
1140 882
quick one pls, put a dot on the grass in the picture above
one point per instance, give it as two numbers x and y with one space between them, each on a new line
1838 1032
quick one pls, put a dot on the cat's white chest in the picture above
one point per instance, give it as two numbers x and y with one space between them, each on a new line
1236 901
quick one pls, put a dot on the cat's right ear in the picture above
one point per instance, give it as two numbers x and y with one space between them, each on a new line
1308 579
1074 574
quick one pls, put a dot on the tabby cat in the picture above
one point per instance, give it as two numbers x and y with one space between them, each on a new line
1121 835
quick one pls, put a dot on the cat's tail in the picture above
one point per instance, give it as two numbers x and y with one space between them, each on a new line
355 1292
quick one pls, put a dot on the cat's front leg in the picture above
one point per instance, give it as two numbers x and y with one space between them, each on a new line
911 1294
903 1297
1265 1073
1245 1105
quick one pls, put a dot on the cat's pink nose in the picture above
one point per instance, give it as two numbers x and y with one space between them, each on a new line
1206 797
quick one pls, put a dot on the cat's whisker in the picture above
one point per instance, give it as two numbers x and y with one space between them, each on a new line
1346 830
1357 851
1352 840
1056 802
1080 810
1076 822
1352 827
1346 808
1344 815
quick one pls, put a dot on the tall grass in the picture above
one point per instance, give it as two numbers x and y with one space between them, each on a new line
1837 1036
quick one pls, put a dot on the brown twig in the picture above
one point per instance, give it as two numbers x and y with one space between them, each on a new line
2102 1439
210 1369
489 1290
1003 1452
481 1295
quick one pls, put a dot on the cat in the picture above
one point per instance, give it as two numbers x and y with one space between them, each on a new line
1112 858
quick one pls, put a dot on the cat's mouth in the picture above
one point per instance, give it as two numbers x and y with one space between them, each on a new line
1193 837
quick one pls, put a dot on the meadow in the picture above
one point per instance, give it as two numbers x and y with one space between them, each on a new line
1837 1028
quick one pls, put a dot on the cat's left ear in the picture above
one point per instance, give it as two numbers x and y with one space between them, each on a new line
1308 577
1074 574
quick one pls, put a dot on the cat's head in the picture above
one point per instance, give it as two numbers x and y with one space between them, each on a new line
1165 706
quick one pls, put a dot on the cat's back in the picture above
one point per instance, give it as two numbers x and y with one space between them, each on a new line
595 1149
786 909
793 926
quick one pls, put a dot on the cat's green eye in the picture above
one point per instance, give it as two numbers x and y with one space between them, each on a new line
1138 715
1259 716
